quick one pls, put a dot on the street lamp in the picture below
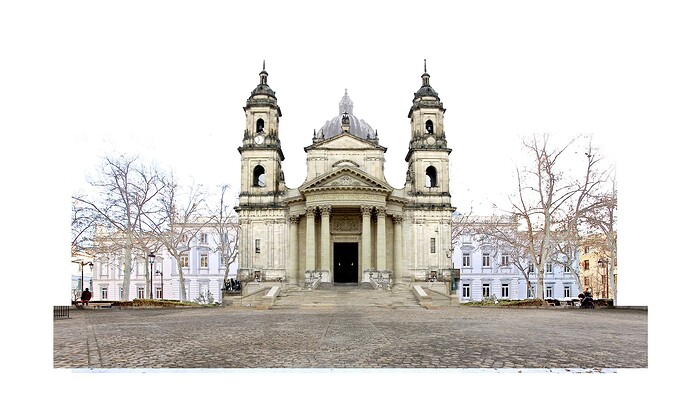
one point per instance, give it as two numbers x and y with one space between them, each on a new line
152 260
81 267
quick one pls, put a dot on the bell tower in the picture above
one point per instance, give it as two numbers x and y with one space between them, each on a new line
261 211
262 177
428 153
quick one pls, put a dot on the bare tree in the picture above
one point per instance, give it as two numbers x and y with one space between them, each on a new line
83 227
600 218
549 199
177 222
226 237
124 194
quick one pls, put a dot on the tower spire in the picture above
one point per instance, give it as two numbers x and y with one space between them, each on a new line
263 75
425 76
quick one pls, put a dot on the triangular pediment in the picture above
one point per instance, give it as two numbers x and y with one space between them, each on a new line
345 141
346 178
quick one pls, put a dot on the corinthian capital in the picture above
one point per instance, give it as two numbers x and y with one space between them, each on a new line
366 210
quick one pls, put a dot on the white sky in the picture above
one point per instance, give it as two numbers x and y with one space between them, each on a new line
167 80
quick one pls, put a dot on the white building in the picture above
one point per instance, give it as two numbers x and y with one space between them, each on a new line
489 271
202 270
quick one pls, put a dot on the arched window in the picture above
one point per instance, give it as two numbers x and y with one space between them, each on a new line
259 178
431 179
429 127
259 125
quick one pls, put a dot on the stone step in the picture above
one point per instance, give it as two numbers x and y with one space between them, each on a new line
345 296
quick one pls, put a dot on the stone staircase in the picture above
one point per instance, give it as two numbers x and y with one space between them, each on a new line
345 295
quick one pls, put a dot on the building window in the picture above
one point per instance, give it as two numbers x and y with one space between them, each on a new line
586 250
140 292
586 264
566 291
159 293
184 261
549 267
530 267
203 238
203 261
566 268
257 246
586 281
466 259
431 179
486 290
104 293
259 178
465 290
505 290
549 291
433 245
505 260
486 260
259 125
429 125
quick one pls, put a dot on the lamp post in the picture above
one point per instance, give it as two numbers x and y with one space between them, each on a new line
152 260
81 267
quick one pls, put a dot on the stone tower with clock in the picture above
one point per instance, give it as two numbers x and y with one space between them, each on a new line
427 184
261 211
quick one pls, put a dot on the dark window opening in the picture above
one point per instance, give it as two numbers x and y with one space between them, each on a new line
259 178
429 127
259 125
431 180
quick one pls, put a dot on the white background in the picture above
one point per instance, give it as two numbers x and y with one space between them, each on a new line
167 81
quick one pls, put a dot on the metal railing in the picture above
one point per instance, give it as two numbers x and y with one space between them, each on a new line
60 312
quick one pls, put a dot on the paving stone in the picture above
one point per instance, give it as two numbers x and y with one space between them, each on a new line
352 337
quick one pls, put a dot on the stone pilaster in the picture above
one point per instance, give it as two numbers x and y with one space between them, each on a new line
310 244
366 237
325 237
294 249
397 249
380 238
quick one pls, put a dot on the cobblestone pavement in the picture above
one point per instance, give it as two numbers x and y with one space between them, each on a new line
347 337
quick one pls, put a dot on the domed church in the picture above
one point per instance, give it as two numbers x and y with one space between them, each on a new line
345 224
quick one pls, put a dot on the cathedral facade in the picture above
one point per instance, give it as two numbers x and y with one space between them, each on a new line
345 224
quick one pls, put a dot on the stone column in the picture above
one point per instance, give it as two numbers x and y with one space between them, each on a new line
397 249
325 237
294 249
366 237
380 238
310 244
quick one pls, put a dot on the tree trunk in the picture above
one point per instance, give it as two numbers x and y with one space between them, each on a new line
183 290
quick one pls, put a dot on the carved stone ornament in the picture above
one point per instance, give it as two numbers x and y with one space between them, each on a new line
345 224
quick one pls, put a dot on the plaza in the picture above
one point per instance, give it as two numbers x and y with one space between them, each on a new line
352 337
